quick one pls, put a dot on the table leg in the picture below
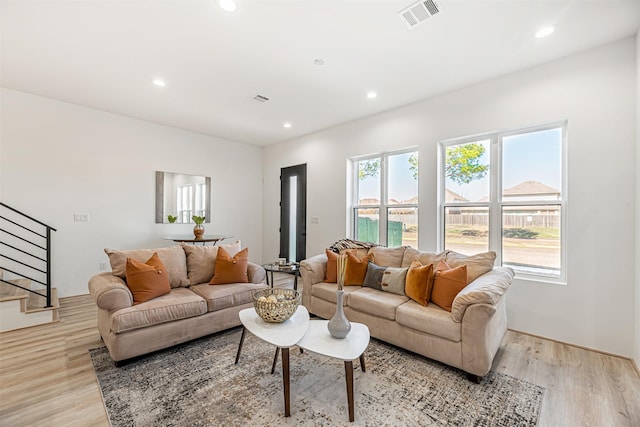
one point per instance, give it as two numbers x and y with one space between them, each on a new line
362 366
275 360
285 381
348 370
270 282
295 281
240 345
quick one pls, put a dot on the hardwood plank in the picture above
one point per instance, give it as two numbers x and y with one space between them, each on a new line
46 377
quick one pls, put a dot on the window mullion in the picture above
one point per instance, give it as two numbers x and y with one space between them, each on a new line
495 207
384 189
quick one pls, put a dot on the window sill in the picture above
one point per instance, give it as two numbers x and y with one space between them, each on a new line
540 279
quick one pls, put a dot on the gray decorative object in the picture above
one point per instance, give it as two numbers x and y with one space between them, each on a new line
339 326
197 384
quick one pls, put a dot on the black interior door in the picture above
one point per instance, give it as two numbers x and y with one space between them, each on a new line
293 212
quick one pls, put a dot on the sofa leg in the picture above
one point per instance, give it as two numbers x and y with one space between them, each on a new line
474 378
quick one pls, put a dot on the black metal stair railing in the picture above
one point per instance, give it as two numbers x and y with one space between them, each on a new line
36 249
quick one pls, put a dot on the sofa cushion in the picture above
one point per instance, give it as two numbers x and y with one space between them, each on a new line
231 269
147 280
332 267
377 303
430 319
220 297
477 264
419 282
425 258
447 284
327 292
393 280
387 257
201 260
356 268
172 257
178 304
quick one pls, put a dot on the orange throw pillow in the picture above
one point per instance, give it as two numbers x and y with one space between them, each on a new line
419 282
356 269
447 284
332 267
147 280
230 270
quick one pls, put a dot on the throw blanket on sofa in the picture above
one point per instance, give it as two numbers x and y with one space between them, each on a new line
350 244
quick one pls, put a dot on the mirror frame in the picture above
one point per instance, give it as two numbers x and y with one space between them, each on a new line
160 216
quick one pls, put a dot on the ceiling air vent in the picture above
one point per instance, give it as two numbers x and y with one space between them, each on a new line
259 98
419 12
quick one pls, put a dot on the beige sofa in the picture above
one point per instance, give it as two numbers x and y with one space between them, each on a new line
467 338
191 310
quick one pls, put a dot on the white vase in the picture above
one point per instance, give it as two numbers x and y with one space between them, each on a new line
339 326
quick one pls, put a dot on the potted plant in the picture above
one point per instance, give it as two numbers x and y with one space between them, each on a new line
198 229
172 219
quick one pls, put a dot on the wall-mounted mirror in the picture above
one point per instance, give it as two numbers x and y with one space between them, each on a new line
181 196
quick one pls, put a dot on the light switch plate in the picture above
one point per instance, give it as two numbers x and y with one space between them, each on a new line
80 217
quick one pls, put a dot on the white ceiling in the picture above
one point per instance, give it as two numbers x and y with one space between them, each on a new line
104 55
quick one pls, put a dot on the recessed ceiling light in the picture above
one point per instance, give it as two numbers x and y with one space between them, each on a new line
544 32
159 82
319 61
286 125
228 5
371 95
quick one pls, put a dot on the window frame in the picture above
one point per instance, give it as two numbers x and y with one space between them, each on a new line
384 206
496 204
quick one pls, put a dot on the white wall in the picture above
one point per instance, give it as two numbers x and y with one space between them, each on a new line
57 159
595 92
636 354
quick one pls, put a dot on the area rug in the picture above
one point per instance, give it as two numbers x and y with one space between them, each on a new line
197 384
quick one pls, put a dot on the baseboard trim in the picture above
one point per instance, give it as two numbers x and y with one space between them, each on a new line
633 362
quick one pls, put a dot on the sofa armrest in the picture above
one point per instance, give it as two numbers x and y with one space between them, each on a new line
256 273
110 292
486 289
313 270
483 329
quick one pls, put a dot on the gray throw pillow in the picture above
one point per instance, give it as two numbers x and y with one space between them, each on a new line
373 279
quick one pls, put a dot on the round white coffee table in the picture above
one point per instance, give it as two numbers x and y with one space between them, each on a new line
283 335
319 340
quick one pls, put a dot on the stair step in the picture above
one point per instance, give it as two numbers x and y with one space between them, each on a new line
37 302
30 309
8 292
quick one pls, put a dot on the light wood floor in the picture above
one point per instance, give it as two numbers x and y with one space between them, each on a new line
46 378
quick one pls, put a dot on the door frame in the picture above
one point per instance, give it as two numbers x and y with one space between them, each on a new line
300 171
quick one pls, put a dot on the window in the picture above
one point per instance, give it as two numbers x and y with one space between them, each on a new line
192 200
506 192
385 199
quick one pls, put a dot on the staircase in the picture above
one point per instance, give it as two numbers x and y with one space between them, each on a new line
26 295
